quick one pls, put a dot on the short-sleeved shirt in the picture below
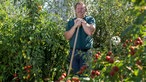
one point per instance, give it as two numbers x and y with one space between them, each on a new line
84 41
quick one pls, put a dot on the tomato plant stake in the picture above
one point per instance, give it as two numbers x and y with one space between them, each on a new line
73 51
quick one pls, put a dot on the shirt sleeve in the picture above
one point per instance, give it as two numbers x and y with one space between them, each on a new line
92 21
69 24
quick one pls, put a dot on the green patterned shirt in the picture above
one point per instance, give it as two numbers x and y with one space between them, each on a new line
83 41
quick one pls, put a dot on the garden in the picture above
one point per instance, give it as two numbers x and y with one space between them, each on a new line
33 47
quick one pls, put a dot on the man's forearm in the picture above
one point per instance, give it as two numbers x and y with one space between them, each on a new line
89 29
69 34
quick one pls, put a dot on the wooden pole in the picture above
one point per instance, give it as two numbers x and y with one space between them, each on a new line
72 56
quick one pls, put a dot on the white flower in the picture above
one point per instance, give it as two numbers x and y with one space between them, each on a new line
115 40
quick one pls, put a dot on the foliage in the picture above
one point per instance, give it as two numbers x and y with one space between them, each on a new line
112 17
29 41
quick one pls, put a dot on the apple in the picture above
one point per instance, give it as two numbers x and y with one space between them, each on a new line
109 53
112 73
97 73
115 68
111 60
108 58
96 56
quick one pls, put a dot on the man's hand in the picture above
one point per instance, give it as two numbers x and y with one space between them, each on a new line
78 22
83 22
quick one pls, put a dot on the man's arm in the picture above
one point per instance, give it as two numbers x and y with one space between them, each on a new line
88 28
68 34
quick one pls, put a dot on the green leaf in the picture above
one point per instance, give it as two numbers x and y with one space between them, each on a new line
136 72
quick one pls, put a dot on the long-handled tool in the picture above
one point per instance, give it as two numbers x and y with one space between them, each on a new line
72 56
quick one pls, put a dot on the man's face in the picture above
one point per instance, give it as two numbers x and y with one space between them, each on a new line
80 10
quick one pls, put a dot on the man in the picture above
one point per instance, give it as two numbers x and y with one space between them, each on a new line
86 25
